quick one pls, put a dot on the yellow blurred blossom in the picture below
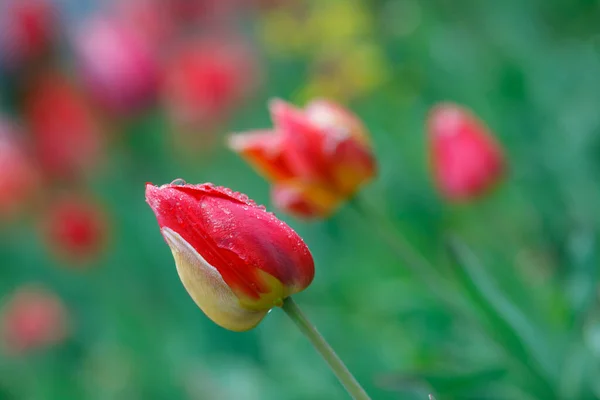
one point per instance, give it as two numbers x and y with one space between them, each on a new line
337 37
305 27
347 74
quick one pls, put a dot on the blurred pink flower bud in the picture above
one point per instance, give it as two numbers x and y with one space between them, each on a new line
27 29
75 229
119 65
206 80
66 136
18 177
466 159
153 19
33 318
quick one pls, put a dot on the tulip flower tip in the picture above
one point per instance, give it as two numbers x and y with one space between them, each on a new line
278 106
275 102
446 118
235 142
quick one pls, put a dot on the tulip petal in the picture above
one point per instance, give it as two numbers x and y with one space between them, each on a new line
207 288
304 201
353 165
265 152
305 144
332 117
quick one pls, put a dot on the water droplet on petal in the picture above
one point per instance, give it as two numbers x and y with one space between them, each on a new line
179 182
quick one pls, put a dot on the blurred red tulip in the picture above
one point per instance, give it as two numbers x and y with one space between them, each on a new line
119 65
465 158
206 80
66 136
33 318
316 158
27 28
75 229
236 260
18 177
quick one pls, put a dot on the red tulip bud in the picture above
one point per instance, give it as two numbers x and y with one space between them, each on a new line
33 318
316 158
236 260
75 229
466 159
66 136
206 80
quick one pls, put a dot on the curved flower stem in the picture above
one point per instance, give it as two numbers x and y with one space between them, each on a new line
335 363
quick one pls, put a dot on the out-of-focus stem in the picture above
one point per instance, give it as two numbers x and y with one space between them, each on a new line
320 344
438 286
506 333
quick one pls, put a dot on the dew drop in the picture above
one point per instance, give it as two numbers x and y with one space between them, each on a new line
179 182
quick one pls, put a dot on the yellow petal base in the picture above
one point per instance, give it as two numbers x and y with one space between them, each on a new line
208 289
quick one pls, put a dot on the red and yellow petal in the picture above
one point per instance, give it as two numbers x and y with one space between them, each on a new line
207 288
353 165
304 200
305 144
263 150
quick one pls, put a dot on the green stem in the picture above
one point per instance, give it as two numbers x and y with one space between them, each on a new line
496 309
335 363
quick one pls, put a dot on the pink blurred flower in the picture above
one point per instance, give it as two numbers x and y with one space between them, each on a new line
66 136
18 176
32 318
206 80
466 160
27 28
153 19
75 229
119 65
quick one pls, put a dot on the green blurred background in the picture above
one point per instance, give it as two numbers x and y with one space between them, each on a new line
530 69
